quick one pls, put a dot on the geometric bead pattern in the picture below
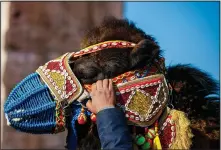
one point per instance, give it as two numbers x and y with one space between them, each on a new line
149 93
167 132
139 102
60 119
60 79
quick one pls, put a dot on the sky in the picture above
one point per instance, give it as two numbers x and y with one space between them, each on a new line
188 32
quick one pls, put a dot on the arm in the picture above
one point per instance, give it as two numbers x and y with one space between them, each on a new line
111 123
113 130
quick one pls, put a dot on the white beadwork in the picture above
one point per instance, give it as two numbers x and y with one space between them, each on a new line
124 43
51 80
132 116
138 86
173 134
137 118
86 50
127 90
165 124
147 85
104 45
122 91
133 44
114 43
132 88
95 47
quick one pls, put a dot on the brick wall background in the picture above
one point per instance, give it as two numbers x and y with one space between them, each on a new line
37 32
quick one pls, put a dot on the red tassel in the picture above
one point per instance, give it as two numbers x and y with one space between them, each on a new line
93 118
82 119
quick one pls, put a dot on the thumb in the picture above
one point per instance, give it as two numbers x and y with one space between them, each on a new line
90 107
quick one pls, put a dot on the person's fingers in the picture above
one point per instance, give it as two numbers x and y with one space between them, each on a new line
99 84
110 84
90 106
106 83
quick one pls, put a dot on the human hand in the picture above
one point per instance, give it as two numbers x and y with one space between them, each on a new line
102 94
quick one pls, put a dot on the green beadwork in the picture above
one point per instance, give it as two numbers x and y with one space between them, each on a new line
146 146
140 140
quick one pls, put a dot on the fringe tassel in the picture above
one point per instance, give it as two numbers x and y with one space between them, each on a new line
184 134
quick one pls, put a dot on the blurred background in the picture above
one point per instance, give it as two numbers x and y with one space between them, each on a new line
34 32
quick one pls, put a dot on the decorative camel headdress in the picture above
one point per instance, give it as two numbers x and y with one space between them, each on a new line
38 104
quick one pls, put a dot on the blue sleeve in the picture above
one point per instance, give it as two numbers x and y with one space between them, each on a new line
113 131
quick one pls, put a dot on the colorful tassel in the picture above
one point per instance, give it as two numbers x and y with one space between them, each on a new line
156 141
82 119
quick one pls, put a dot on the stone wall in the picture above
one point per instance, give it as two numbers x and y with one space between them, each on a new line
38 32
